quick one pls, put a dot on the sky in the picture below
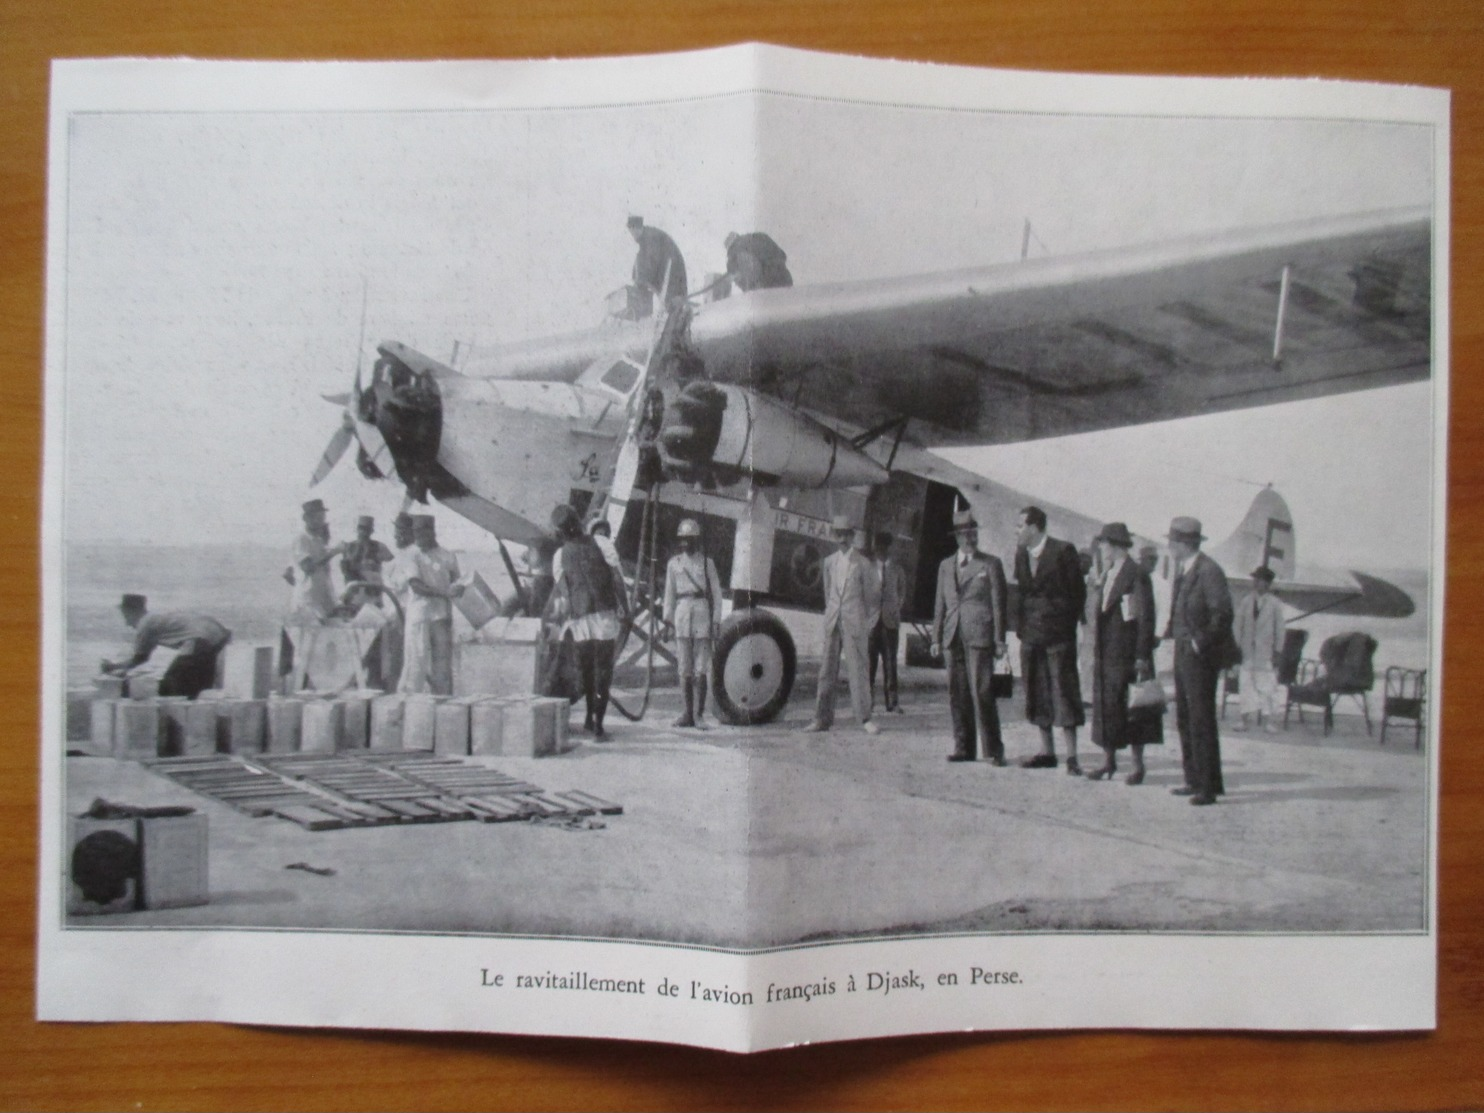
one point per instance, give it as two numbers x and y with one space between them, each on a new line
219 266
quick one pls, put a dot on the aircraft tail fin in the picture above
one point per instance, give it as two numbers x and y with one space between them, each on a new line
1265 537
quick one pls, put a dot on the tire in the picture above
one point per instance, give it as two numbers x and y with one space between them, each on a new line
752 668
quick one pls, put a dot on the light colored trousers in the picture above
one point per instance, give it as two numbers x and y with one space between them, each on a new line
427 658
1259 692
856 674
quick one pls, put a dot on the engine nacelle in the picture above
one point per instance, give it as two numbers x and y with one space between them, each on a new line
736 430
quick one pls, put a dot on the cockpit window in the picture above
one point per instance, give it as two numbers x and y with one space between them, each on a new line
621 377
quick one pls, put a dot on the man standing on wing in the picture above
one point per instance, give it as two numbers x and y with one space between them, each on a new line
1201 628
1052 596
845 631
969 623
658 267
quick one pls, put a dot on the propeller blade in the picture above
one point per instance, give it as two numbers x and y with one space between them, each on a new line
333 451
337 399
376 448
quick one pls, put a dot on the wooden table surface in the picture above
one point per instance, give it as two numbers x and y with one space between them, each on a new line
210 1066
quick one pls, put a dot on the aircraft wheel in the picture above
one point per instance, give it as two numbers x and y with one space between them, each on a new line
752 667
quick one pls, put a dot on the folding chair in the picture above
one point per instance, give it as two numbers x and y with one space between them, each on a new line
1405 698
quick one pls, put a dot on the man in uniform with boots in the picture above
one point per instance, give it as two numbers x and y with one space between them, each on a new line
692 602
589 597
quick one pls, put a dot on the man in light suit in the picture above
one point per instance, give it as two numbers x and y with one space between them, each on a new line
845 631
969 622
1201 628
1260 638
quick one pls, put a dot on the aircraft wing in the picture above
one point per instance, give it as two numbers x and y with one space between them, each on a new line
1054 346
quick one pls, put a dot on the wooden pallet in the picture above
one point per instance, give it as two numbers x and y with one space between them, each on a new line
372 788
478 785
256 792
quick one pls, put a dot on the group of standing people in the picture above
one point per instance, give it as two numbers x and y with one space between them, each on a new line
1115 599
423 577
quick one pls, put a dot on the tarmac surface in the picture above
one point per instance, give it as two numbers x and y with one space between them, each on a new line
762 836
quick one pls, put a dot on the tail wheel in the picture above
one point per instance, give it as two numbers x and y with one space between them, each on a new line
752 667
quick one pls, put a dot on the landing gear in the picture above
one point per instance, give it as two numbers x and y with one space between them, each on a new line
753 667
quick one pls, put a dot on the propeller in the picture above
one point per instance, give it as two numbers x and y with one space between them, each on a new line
357 423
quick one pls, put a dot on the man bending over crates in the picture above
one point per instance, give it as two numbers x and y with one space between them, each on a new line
197 640
692 604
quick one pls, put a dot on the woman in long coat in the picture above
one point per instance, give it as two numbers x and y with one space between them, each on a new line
1123 652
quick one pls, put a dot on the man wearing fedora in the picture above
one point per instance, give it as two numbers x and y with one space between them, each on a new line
1201 629
1259 633
1053 593
845 631
197 640
969 623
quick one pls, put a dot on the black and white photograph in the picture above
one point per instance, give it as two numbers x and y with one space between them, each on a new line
741 510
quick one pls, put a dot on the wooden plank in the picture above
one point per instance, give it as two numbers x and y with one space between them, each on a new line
492 809
311 819
605 807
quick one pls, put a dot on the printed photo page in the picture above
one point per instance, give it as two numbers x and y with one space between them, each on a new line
741 548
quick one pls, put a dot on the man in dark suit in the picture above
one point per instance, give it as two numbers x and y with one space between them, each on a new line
1201 628
969 622
1053 593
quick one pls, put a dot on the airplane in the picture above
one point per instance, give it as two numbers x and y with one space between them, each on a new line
764 413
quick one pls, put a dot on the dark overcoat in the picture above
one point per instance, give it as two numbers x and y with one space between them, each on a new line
1051 599
1124 636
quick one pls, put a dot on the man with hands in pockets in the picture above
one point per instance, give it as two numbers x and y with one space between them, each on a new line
969 625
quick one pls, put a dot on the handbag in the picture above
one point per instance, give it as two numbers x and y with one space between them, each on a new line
1147 693
1002 684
